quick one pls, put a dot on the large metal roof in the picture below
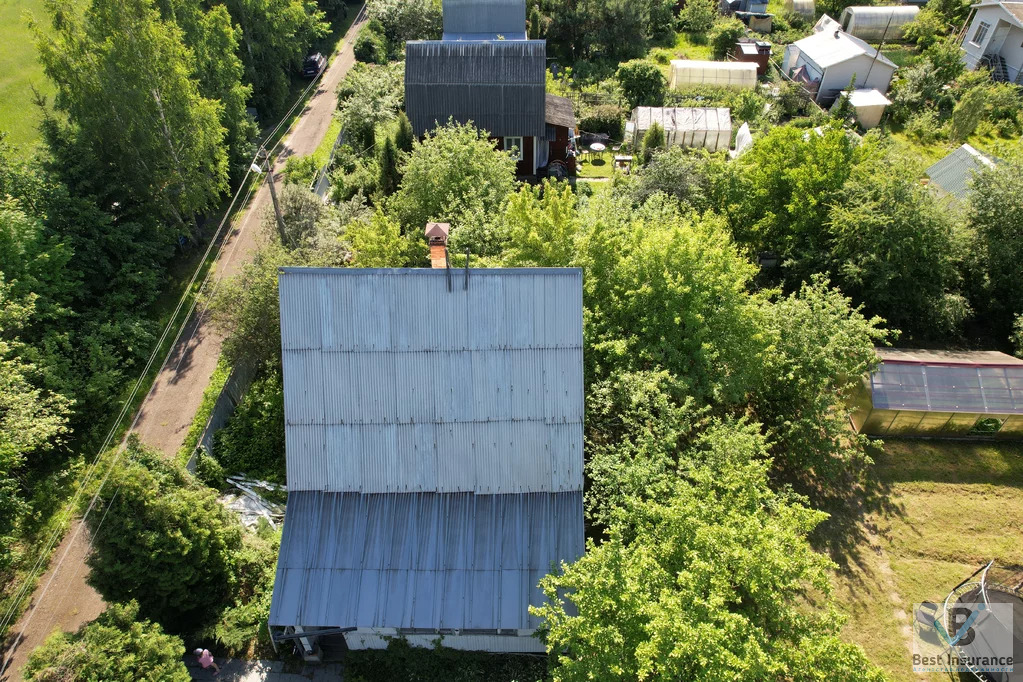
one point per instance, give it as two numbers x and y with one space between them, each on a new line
427 561
498 85
434 445
392 383
931 385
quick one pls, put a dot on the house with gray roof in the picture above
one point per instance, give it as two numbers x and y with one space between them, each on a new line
484 70
994 39
433 423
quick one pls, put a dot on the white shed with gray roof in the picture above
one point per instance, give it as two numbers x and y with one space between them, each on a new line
830 59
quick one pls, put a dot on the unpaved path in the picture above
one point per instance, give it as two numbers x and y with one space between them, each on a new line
168 409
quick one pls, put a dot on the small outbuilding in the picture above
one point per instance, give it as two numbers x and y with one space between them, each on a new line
708 127
951 177
878 22
755 51
869 105
804 8
691 72
942 394
760 22
827 61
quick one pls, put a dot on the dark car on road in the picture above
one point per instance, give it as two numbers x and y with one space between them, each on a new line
313 64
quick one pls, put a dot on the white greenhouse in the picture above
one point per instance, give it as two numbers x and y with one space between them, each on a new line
804 8
689 72
709 128
877 23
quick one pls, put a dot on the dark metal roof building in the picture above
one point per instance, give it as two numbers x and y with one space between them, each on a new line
466 19
499 85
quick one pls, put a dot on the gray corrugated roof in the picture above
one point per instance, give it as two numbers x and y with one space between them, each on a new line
430 561
499 85
505 17
394 384
434 445
954 173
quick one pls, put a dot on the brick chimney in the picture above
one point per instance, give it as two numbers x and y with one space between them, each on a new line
437 235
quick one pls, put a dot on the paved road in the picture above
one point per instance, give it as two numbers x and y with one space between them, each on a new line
168 410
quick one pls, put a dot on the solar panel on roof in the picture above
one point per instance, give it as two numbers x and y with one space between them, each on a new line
948 388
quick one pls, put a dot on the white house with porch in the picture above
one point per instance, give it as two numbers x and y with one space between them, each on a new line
994 39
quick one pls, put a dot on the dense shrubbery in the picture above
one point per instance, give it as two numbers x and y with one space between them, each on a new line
164 542
642 83
119 645
608 119
401 662
253 439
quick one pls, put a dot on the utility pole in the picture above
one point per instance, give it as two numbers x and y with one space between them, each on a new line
273 193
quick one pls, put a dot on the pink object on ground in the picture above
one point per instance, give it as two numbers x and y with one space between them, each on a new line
206 658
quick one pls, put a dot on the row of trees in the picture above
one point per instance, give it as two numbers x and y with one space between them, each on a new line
146 130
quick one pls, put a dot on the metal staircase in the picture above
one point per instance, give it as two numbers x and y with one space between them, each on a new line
996 63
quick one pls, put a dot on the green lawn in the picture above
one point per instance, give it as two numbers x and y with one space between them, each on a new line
20 71
594 166
934 512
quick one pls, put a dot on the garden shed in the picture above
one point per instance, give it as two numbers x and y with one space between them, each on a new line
877 23
830 59
706 127
942 394
755 51
692 72
804 8
951 176
869 105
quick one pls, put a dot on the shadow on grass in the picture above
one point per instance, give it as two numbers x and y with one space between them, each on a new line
844 535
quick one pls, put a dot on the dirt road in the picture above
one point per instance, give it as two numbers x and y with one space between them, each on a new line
167 412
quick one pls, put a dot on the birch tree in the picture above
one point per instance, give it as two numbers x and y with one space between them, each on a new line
123 81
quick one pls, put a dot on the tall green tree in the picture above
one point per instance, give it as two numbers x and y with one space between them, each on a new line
894 250
818 349
995 213
163 540
454 175
668 292
703 580
118 645
123 78
275 36
781 191
33 421
541 223
404 20
214 42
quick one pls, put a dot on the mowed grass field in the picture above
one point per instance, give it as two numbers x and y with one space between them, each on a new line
20 71
933 512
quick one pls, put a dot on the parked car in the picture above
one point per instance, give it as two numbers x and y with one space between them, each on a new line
313 64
